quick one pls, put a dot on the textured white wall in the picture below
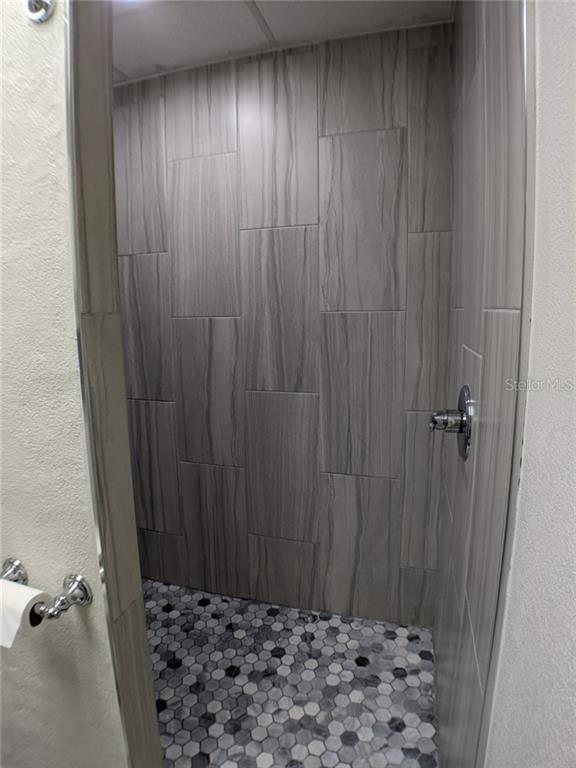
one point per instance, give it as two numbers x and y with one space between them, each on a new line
533 719
59 705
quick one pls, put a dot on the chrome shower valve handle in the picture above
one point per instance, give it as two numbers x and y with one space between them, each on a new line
459 422
447 421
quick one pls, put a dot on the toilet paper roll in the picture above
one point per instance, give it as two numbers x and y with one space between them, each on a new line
16 602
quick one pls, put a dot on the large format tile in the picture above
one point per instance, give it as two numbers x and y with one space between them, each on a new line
133 672
282 464
463 727
209 379
362 83
356 566
277 140
430 139
204 236
93 165
361 387
214 514
154 468
457 274
505 158
464 473
281 570
449 452
103 367
421 490
280 320
363 240
418 596
471 226
494 441
140 167
163 556
146 310
446 628
201 111
427 320
459 691
435 34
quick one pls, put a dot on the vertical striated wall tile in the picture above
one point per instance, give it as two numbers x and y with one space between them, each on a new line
214 515
361 392
358 556
145 283
204 236
209 397
282 464
140 167
154 468
363 221
280 323
421 493
277 140
427 320
201 111
362 83
281 570
430 139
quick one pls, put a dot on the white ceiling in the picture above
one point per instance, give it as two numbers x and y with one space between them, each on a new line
154 36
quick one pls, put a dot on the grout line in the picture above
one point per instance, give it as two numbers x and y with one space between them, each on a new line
149 400
281 538
363 130
359 311
516 310
280 392
160 533
272 229
141 253
432 232
367 477
207 464
200 157
282 226
205 317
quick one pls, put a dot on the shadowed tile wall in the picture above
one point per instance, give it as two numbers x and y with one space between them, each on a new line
290 298
484 335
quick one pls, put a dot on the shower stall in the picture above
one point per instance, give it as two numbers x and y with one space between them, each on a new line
285 240
317 246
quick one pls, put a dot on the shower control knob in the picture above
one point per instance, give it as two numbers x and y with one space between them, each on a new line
459 421
447 421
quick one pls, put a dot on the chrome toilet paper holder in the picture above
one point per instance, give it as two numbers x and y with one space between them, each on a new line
75 590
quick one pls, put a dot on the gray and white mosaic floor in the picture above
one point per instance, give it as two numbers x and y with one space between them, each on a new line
241 684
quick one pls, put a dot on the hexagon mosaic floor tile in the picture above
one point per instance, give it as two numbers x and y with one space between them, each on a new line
241 684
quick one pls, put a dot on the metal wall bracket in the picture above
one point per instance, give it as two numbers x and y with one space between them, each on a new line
39 11
13 570
75 591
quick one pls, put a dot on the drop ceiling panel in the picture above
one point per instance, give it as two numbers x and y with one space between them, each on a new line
302 22
153 37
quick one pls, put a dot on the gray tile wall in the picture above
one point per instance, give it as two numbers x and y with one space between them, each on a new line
306 223
484 333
